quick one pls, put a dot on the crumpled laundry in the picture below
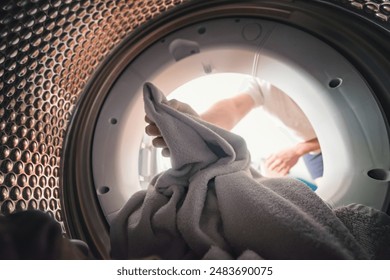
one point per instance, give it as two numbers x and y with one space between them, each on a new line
212 205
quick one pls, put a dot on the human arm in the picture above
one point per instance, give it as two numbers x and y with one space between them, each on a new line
281 162
228 112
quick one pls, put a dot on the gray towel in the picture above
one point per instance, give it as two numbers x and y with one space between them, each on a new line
370 227
211 205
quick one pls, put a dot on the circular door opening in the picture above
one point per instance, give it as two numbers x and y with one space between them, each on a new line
350 132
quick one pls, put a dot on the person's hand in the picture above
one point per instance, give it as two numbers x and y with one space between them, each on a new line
279 164
151 128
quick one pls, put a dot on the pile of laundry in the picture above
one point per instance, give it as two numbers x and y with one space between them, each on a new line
212 205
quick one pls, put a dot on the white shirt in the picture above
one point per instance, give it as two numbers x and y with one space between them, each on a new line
279 105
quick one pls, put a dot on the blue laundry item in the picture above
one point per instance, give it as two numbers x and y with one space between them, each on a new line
314 164
312 186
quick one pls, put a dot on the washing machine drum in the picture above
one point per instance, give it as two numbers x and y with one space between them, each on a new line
62 64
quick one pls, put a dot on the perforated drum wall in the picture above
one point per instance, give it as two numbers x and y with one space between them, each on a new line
48 51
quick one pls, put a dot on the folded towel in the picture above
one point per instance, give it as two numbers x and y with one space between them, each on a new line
212 205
